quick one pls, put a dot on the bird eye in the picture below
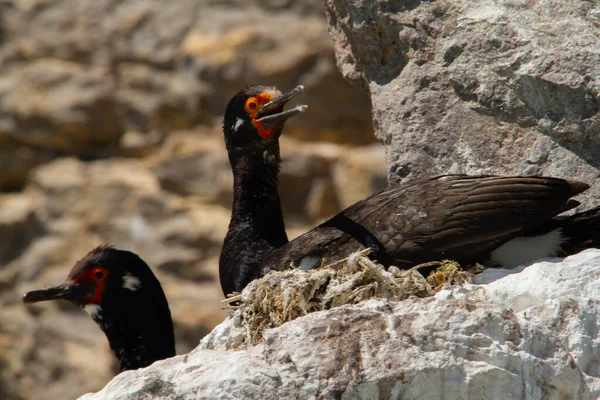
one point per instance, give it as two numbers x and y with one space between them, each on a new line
251 105
98 274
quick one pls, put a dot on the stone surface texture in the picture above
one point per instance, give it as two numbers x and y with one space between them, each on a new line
478 87
529 333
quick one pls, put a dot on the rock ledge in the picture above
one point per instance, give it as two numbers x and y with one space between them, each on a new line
529 333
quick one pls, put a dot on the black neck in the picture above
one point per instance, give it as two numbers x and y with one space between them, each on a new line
138 339
256 192
256 226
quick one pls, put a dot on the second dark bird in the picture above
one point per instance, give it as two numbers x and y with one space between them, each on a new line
122 295
506 220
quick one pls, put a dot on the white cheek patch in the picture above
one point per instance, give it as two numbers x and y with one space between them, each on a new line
238 122
131 282
94 311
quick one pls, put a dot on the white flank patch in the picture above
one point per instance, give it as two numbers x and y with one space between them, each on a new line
93 310
238 122
131 282
309 262
523 250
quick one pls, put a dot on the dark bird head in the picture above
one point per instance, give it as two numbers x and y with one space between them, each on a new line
255 115
122 295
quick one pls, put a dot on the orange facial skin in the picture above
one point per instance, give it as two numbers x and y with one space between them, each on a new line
97 276
253 104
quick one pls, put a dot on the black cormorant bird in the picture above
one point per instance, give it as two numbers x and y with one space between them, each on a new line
122 295
507 220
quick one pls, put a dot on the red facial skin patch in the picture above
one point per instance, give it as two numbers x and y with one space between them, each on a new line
264 133
253 104
96 275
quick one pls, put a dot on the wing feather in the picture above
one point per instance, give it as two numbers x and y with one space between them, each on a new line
457 217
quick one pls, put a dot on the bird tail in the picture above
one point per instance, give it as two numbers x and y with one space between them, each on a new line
580 231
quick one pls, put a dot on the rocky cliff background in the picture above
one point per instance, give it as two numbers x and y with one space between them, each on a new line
110 133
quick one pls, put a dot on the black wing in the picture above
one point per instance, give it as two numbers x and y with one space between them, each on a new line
448 217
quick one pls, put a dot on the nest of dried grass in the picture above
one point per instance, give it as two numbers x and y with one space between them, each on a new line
283 296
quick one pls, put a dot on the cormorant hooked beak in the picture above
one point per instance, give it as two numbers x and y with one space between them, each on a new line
267 120
67 291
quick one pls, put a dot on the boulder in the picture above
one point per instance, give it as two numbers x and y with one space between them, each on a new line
477 87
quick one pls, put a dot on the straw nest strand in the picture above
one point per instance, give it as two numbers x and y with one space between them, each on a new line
282 296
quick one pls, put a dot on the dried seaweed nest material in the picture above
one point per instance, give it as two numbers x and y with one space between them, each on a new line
283 296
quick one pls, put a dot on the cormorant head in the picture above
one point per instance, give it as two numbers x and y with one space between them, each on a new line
256 115
122 295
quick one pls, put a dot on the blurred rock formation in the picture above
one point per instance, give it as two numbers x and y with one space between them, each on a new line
114 77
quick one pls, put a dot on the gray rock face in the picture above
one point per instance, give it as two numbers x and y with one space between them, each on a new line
523 334
476 87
